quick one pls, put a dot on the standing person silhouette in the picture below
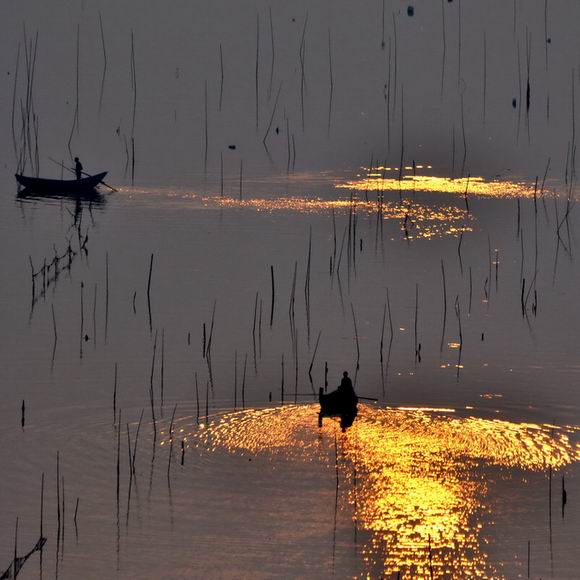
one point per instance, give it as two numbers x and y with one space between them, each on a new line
78 168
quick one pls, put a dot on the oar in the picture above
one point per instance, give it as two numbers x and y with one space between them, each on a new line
61 164
316 395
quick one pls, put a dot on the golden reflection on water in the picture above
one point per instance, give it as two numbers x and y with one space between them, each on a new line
420 475
477 186
418 220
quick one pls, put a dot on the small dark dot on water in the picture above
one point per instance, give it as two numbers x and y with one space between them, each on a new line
549 40
250 459
293 19
232 147
277 130
514 103
482 336
86 337
410 11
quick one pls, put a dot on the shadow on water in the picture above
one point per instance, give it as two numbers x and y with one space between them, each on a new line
92 197
82 200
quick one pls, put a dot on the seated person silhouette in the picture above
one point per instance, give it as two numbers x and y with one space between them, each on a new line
342 402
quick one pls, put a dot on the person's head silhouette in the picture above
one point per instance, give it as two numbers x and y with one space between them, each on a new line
345 374
76 158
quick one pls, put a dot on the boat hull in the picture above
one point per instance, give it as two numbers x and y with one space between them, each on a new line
333 405
69 186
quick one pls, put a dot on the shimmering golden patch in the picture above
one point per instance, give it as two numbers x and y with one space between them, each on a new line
477 186
417 220
419 492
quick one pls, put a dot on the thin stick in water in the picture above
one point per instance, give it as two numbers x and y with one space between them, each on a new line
171 440
136 442
149 291
356 336
106 295
257 67
115 396
273 53
273 295
221 78
244 382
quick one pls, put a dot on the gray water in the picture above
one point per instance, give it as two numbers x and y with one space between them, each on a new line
475 422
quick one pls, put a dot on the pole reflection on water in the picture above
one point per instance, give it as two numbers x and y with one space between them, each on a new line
421 484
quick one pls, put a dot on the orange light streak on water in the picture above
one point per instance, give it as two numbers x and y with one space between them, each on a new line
419 474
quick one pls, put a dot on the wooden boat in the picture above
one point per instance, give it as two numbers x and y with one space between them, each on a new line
61 185
335 405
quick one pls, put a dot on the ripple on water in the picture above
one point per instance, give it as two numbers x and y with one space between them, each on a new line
420 489
414 483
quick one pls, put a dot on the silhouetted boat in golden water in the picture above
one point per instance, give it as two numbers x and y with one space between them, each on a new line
335 405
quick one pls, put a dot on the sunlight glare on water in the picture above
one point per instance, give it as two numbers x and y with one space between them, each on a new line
376 180
414 478
416 220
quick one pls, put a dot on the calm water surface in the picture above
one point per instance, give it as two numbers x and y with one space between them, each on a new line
316 189
456 454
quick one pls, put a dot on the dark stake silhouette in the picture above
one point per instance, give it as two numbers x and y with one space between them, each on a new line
564 496
342 403
14 569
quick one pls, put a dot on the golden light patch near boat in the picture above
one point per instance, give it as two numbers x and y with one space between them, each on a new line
418 482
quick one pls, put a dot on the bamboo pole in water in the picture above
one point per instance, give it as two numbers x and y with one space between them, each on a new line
151 391
76 512
171 440
444 306
313 357
282 383
417 344
206 130
118 462
221 82
136 442
106 295
162 386
115 396
331 82
244 382
356 337
257 75
58 494
149 291
197 397
104 63
273 295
